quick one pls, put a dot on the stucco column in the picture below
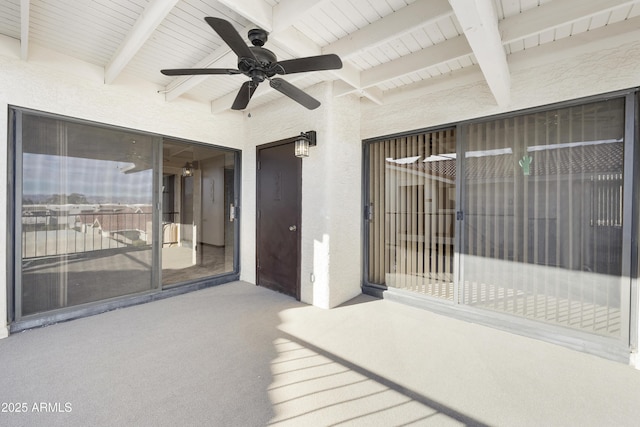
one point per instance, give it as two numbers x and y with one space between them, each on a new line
331 206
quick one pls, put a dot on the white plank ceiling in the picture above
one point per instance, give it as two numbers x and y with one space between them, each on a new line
389 48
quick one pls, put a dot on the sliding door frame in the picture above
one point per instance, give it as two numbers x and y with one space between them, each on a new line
604 346
17 322
369 213
631 211
458 280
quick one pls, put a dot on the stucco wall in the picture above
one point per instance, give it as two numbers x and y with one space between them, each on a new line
331 196
557 79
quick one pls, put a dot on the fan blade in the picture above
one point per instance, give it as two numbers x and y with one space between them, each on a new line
194 71
244 95
230 36
294 93
310 63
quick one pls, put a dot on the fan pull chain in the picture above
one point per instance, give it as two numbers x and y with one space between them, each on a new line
249 90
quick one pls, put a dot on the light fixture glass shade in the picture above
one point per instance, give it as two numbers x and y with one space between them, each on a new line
302 147
187 170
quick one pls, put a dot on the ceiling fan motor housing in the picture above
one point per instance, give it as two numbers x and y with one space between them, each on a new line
261 68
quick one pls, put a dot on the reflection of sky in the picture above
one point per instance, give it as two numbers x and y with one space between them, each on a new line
45 174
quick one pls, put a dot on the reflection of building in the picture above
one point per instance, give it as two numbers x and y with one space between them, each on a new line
53 214
127 224
572 189
495 173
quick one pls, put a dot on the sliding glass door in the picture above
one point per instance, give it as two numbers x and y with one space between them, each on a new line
543 216
538 202
198 231
86 223
411 209
103 213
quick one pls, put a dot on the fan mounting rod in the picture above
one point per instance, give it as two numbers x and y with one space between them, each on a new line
258 36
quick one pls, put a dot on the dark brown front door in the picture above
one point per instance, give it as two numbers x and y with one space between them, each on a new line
278 225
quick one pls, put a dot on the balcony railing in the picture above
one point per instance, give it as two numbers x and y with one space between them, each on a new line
51 233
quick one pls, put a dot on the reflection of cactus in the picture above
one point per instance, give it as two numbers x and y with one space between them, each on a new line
525 164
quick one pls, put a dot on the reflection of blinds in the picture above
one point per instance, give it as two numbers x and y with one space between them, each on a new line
543 216
412 204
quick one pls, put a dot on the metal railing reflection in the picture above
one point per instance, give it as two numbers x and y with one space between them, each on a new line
51 233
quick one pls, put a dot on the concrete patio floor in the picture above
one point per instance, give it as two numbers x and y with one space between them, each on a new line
240 355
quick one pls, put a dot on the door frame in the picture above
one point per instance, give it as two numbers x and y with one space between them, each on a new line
259 148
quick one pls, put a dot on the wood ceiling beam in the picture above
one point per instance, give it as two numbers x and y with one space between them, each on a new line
432 56
257 11
146 24
273 19
373 94
458 78
403 21
437 54
608 37
544 17
553 14
534 21
24 29
295 43
603 38
288 12
479 22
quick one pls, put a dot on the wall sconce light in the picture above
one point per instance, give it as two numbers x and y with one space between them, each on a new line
187 170
303 142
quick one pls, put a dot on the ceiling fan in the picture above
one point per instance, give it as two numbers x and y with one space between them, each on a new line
260 64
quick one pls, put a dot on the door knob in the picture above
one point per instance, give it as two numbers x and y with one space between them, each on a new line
292 228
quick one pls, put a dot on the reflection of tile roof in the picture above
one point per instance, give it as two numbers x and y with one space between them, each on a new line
444 168
121 222
600 158
597 158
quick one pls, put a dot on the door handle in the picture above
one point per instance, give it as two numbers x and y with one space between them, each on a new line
292 228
